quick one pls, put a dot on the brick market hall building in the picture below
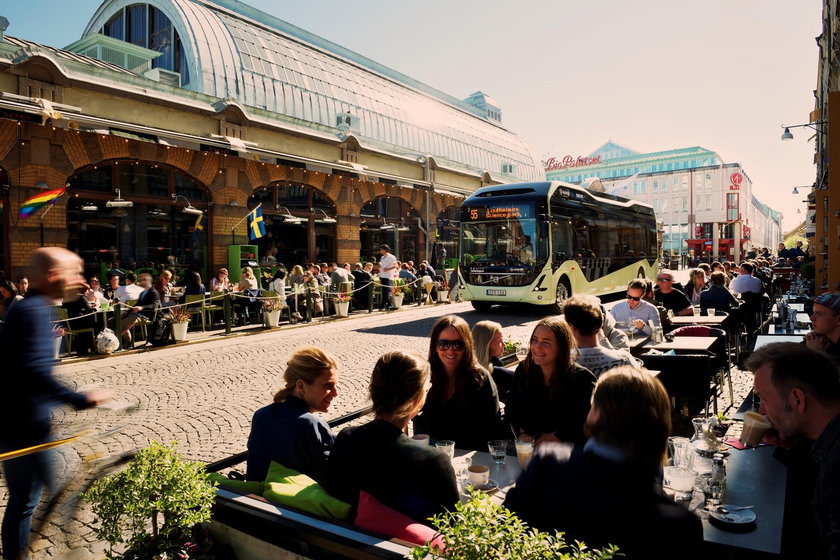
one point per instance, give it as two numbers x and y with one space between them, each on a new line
165 108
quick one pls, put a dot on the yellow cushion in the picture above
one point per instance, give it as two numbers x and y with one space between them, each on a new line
291 488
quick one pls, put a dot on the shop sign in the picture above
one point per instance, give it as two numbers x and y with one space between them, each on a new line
734 187
554 164
736 179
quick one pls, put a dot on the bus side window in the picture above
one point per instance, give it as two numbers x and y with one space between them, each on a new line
562 246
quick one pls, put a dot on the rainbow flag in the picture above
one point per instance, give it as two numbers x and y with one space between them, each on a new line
35 203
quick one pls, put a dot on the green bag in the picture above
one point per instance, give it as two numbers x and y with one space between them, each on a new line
240 486
291 488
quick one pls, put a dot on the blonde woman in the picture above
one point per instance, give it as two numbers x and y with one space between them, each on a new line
696 285
295 276
248 280
489 348
288 431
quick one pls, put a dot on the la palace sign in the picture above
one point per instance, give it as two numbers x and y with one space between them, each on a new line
554 164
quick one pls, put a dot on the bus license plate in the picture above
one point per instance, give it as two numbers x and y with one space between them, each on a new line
496 292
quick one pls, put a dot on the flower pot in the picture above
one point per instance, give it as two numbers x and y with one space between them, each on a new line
57 342
179 331
342 308
396 300
272 318
443 296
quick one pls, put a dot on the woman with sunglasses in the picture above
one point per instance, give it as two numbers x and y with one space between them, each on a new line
551 393
463 403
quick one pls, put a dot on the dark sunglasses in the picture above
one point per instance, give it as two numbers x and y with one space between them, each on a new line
664 279
634 298
457 345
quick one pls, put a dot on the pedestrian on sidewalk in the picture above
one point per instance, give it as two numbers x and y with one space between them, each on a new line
29 389
387 269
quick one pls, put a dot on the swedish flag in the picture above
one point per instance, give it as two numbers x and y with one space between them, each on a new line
256 226
200 222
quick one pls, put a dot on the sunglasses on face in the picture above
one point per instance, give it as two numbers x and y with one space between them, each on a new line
664 280
634 298
457 345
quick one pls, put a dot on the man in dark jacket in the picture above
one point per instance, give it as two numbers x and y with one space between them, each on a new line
608 492
29 389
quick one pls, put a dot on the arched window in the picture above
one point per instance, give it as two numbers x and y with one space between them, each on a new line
153 233
391 221
147 26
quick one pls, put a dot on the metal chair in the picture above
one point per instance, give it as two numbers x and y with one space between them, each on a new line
720 356
69 331
209 308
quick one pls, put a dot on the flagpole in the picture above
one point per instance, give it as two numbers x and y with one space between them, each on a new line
52 202
233 229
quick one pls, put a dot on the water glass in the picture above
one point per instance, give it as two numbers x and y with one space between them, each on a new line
682 452
447 446
498 449
712 488
711 312
681 481
696 311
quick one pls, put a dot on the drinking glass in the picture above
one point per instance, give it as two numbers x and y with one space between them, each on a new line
711 487
524 450
447 446
498 449
682 452
681 481
711 312
696 311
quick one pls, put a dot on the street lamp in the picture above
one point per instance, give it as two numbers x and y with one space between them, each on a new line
189 208
287 217
327 219
786 135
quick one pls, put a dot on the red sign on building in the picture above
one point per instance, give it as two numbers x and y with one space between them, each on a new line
736 179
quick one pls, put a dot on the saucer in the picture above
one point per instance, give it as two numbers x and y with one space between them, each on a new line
489 488
739 517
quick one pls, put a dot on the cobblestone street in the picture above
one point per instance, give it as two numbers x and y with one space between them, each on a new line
203 395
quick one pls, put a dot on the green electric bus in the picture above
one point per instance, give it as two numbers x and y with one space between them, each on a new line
540 243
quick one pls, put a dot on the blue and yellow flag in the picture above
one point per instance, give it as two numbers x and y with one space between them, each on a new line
256 226
200 222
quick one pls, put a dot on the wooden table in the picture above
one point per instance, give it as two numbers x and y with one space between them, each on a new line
771 338
773 330
706 320
684 344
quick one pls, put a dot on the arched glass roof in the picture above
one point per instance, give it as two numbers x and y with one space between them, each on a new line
235 51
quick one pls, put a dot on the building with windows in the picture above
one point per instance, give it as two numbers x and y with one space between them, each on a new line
706 207
217 107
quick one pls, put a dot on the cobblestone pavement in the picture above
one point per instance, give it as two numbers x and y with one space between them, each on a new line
203 396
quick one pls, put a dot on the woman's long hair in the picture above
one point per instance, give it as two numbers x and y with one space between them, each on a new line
483 333
306 364
468 372
566 347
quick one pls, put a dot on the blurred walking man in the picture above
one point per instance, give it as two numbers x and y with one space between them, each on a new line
28 389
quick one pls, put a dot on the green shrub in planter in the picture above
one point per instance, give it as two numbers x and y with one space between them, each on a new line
480 529
160 490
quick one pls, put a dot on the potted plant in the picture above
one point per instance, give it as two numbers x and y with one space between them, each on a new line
511 350
397 295
180 319
151 509
271 311
342 304
479 529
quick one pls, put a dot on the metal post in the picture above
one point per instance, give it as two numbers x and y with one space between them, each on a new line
118 323
370 297
308 304
226 300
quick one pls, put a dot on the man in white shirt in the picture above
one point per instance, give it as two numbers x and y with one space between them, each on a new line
130 291
635 312
745 281
387 271
583 314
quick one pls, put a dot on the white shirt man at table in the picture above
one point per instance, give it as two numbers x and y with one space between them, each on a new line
583 314
634 311
745 281
800 395
130 291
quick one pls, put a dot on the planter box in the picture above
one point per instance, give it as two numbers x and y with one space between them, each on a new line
397 300
342 308
179 331
272 318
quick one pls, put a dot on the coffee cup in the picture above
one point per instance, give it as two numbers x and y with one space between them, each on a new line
421 439
755 426
479 475
524 450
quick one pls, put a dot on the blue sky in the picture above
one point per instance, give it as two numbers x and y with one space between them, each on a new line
652 75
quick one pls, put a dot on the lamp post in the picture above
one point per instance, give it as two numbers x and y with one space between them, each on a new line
787 135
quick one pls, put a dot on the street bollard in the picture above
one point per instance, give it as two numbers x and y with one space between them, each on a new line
418 296
370 297
118 323
308 304
227 304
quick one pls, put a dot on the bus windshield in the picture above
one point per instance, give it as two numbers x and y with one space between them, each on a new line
507 242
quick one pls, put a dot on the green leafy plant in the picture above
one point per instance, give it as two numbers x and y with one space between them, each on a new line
160 490
480 529
512 346
397 286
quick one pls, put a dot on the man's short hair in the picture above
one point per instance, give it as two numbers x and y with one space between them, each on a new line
583 312
666 272
795 365
334 265
748 267
637 284
130 277
145 275
385 246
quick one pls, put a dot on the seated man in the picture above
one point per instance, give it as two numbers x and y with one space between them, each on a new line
745 282
609 491
825 321
130 291
634 312
583 314
147 302
671 298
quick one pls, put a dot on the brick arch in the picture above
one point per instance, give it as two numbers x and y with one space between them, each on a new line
132 160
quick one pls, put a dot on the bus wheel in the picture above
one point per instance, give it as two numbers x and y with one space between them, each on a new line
564 292
482 306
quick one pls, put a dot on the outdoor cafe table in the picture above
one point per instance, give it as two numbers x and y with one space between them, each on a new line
753 477
683 344
776 332
706 320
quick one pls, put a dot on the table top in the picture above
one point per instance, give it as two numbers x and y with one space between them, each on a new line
754 477
765 339
685 343
699 319
504 475
773 330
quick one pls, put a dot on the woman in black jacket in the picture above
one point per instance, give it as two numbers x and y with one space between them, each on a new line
550 397
463 403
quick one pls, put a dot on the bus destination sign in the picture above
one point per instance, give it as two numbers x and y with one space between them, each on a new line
475 214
